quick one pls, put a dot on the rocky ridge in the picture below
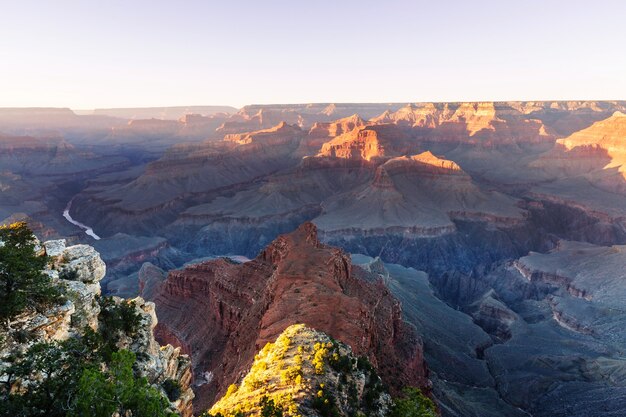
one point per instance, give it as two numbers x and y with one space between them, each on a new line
222 313
305 373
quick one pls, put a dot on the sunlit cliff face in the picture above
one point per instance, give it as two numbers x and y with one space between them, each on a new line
608 135
357 144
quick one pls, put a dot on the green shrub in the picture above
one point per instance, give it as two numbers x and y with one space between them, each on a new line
172 389
324 403
22 281
269 408
100 394
340 363
68 274
116 320
413 404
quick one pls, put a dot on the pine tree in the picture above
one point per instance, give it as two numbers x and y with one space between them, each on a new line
22 282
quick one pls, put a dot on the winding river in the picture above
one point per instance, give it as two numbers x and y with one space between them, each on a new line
87 229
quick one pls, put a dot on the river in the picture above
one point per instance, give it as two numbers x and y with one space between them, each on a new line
88 230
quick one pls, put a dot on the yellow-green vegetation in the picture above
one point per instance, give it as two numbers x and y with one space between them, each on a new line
305 372
272 384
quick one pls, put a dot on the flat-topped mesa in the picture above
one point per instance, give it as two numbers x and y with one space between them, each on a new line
153 123
223 313
426 115
281 133
10 144
337 127
250 118
150 127
195 118
425 163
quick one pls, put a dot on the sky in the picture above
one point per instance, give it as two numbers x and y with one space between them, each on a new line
135 53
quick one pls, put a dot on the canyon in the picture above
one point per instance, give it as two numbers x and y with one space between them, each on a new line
499 227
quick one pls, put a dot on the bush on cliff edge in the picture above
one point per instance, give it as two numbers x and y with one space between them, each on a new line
22 281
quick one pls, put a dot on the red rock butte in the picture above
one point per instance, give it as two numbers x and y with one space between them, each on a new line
230 311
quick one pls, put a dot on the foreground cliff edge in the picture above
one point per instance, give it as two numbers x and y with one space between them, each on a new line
78 353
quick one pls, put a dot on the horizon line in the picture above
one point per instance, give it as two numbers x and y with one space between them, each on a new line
304 103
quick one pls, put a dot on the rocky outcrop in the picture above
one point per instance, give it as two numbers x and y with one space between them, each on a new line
77 270
160 363
81 261
493 316
222 313
151 278
366 143
305 372
322 132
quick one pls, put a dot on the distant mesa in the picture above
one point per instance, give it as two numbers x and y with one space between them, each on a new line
424 161
337 127
276 134
164 113
427 115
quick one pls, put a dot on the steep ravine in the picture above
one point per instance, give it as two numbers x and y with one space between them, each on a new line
474 272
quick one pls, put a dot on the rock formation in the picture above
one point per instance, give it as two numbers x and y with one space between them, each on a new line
280 134
366 143
305 372
321 132
78 270
427 115
416 195
222 313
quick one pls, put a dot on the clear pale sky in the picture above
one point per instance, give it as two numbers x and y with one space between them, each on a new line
87 54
